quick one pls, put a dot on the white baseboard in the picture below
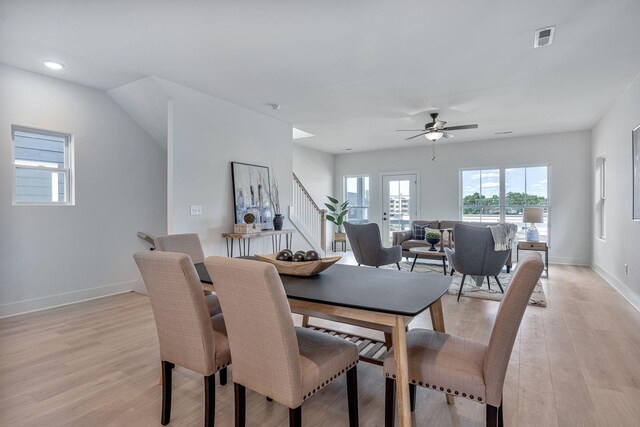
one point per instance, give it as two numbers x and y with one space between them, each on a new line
51 301
628 294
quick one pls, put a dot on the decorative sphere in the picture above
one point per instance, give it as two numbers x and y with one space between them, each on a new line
311 256
298 257
283 256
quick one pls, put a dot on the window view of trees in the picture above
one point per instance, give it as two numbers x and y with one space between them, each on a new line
520 187
512 200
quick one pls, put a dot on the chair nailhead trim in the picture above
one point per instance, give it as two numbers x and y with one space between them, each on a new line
471 396
464 394
448 390
456 392
479 399
441 388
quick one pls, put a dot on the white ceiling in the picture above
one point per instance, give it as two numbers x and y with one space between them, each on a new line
349 72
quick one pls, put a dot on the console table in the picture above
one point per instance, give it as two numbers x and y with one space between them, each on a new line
244 240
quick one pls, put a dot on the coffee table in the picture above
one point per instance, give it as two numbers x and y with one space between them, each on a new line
425 250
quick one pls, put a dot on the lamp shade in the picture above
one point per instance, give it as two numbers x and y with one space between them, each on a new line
533 215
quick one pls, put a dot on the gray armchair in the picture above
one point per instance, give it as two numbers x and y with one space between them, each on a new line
475 254
367 246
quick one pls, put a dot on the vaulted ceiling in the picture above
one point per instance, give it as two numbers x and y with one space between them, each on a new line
350 72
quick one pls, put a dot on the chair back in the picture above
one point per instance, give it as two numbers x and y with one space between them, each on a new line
188 243
507 323
262 338
365 242
182 319
475 252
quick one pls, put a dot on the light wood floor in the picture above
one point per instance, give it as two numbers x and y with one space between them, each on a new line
575 362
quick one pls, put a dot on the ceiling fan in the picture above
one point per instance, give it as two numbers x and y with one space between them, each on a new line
435 130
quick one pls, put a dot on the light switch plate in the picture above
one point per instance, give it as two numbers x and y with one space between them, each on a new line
196 209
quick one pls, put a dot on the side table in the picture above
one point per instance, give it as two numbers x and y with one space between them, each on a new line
535 246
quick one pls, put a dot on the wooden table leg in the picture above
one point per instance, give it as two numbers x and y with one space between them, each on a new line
437 320
402 371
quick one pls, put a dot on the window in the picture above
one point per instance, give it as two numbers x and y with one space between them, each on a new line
493 195
42 162
602 173
356 191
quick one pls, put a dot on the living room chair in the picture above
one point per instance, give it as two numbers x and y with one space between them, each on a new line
271 356
367 246
189 243
188 335
475 254
463 368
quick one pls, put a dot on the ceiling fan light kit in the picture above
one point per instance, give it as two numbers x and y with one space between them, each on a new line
434 135
435 130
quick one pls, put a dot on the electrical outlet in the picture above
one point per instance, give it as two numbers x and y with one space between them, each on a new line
626 269
196 209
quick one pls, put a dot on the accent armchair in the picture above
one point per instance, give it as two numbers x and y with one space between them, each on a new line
367 246
475 254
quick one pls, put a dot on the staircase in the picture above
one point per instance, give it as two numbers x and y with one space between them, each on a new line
308 218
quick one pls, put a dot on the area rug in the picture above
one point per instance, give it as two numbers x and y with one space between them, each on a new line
470 289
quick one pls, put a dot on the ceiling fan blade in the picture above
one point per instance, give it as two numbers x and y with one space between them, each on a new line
446 134
415 136
439 124
409 130
474 126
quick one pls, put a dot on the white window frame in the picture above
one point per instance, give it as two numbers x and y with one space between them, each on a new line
345 197
67 170
602 165
503 195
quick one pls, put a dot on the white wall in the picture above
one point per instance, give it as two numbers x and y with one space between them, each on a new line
315 169
612 137
568 155
206 134
52 255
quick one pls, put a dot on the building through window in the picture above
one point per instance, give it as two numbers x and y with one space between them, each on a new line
43 170
356 191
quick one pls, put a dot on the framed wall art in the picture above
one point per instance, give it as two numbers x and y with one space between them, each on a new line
251 194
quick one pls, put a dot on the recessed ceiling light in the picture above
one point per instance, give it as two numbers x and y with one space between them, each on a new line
54 65
348 149
297 134
506 132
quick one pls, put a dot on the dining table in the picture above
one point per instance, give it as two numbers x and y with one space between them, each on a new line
380 299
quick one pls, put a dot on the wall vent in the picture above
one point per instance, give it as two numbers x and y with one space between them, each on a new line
544 36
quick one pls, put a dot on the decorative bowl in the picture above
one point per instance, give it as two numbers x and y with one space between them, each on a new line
302 268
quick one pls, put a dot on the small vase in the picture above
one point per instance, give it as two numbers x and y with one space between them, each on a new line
433 242
278 221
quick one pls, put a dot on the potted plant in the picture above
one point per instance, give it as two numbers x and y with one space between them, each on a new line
338 214
432 238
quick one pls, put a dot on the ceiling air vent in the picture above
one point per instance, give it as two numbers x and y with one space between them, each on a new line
544 36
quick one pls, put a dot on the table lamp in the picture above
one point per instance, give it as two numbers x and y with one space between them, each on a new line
533 216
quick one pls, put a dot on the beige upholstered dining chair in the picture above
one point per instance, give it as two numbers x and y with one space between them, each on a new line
188 243
465 368
188 336
270 355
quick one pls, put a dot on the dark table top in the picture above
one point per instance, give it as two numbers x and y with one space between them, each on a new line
375 289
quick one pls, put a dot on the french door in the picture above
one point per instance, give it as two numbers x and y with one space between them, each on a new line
399 204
